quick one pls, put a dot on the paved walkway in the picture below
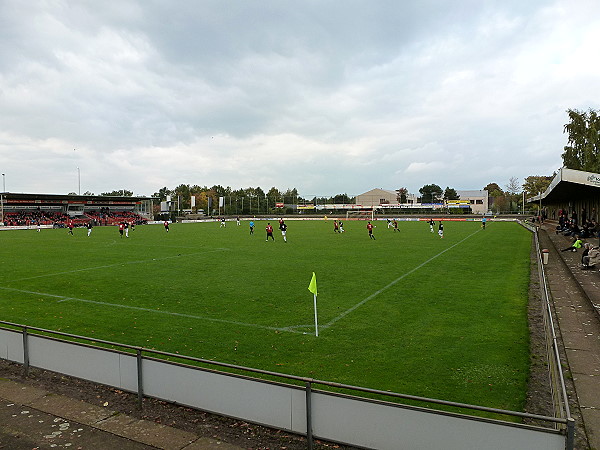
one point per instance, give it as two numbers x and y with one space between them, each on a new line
576 296
34 418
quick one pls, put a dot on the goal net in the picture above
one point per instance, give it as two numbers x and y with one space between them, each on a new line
360 215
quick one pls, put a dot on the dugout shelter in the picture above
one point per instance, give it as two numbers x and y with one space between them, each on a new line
571 190
56 209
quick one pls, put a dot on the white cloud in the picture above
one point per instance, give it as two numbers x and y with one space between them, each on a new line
318 98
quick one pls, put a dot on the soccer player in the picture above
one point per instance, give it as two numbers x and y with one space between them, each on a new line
126 226
431 225
341 225
70 225
336 227
283 228
252 227
483 220
89 228
441 229
166 224
395 223
237 219
121 228
222 222
389 222
370 229
269 230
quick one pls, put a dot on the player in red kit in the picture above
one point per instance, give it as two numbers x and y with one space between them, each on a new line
269 230
370 229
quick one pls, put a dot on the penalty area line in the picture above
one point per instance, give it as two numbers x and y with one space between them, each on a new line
401 277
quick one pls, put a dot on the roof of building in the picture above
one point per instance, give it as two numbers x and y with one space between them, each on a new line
473 193
45 198
570 184
373 191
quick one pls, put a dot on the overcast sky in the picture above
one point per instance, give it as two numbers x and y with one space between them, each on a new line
328 97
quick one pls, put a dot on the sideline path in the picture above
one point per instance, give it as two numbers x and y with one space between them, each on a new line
576 297
34 418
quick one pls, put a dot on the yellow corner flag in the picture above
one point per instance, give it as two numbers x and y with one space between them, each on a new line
312 287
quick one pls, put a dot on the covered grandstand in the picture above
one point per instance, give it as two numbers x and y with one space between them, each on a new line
19 209
571 190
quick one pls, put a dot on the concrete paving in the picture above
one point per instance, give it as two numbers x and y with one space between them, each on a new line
34 418
576 299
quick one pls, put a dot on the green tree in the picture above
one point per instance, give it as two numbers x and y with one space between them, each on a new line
582 151
430 193
162 193
341 199
535 184
493 187
450 194
512 193
402 195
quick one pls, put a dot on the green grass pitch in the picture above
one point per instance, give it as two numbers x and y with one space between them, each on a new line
408 312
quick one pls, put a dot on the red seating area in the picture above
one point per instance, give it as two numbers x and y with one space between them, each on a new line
110 217
32 217
60 219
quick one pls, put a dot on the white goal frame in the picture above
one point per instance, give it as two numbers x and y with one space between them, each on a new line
356 214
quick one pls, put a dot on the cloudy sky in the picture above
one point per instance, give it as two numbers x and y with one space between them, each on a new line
325 96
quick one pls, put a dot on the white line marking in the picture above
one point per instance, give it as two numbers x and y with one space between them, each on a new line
401 277
141 261
62 298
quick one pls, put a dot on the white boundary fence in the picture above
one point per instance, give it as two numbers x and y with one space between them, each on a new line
297 408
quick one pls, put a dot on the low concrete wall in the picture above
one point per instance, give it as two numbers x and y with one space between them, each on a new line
335 417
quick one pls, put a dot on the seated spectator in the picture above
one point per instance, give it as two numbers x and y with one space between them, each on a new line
573 230
577 243
592 258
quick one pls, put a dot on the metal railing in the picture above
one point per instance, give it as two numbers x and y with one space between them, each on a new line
562 423
560 400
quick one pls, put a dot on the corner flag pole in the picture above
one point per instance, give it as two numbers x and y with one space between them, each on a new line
312 287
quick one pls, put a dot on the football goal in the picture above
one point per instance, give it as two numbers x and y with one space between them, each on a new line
360 214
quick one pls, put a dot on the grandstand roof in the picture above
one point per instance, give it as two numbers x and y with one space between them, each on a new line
569 184
61 198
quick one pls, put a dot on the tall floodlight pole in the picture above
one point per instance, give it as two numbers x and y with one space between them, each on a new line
78 181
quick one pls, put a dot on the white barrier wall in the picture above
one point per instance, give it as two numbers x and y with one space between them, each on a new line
345 419
275 405
374 425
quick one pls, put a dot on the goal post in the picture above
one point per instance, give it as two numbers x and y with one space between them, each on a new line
360 214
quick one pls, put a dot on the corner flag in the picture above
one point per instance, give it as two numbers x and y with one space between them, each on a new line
312 287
